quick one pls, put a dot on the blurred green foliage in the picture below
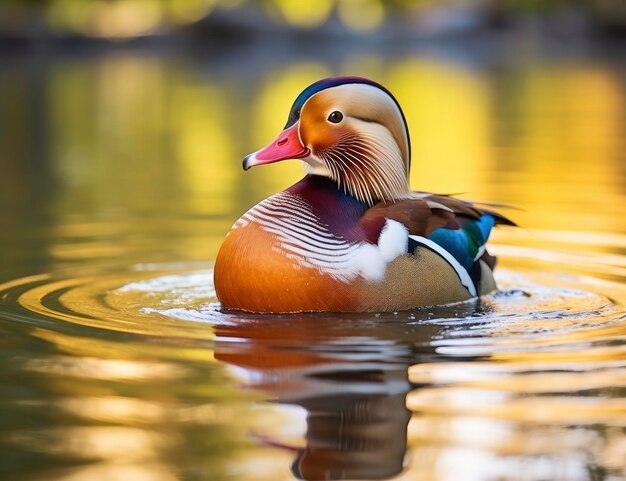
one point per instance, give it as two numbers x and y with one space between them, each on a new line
133 18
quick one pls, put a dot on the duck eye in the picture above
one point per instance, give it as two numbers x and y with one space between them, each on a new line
335 117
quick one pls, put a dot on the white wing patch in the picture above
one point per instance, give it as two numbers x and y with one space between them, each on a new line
304 238
393 240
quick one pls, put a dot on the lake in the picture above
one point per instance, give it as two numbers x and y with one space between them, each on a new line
120 176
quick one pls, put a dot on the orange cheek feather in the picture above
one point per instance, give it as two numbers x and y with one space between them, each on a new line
315 131
273 282
319 136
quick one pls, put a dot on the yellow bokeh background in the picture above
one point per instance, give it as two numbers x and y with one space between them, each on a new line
151 147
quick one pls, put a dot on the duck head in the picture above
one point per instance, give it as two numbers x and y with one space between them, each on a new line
350 130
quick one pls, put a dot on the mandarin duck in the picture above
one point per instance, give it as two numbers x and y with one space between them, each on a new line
351 235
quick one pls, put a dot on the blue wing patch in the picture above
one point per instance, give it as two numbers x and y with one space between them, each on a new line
466 244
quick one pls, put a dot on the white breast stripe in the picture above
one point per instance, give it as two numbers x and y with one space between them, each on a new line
304 238
464 277
481 251
290 224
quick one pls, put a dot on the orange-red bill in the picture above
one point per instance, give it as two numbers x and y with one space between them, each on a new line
286 146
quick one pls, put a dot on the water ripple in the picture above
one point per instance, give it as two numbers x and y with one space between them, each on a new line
532 375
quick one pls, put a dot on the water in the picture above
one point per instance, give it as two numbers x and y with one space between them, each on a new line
120 176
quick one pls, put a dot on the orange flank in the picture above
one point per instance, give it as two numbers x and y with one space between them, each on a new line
273 282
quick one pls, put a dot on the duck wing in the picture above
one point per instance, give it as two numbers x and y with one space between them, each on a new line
467 208
460 227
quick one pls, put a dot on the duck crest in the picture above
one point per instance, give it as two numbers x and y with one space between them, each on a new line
327 83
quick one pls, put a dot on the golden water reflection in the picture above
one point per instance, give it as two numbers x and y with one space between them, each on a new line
127 167
142 147
530 379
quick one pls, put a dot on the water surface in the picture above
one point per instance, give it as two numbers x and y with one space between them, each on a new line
121 175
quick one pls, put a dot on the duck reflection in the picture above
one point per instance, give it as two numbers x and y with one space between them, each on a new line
355 435
350 375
